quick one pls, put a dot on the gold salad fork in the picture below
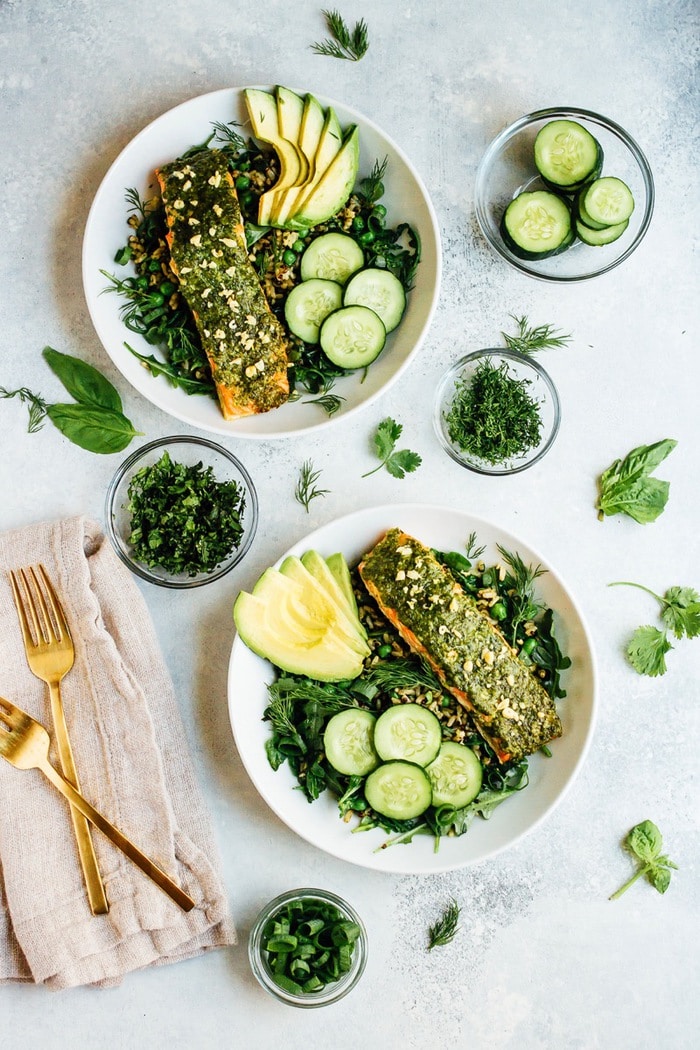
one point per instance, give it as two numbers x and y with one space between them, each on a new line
24 743
50 655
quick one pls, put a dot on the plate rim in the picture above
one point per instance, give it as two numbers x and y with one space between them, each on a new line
160 402
391 511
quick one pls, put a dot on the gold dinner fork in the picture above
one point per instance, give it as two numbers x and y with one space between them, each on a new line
50 655
24 743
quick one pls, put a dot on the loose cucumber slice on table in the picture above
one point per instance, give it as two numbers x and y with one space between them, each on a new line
347 741
352 337
381 291
455 775
408 731
537 224
309 304
566 154
333 257
608 200
399 790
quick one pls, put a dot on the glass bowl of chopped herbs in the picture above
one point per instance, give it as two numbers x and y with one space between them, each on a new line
308 947
181 511
496 411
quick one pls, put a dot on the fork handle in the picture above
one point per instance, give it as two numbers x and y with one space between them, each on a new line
81 826
120 840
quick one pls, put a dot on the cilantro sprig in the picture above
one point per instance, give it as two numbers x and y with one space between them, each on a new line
645 843
397 462
680 614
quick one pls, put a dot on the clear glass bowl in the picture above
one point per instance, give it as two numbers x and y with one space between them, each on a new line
508 168
519 367
189 451
331 993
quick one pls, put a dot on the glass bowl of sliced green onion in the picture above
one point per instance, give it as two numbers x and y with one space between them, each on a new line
308 947
496 411
564 194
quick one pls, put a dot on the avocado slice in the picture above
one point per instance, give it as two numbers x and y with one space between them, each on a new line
290 112
323 606
339 567
318 567
334 186
262 110
270 626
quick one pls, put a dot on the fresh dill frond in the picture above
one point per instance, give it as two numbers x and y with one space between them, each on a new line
330 403
306 488
473 551
445 929
529 339
345 43
37 406
372 186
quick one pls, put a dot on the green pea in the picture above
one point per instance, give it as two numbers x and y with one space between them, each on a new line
529 645
247 198
289 257
154 266
358 223
242 182
167 288
141 283
384 650
298 246
366 238
499 611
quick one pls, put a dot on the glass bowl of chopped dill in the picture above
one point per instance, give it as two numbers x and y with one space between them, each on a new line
496 411
181 511
308 947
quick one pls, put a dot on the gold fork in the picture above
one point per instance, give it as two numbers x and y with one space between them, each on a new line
24 743
50 655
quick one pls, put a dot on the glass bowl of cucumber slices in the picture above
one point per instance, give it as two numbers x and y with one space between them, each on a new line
564 194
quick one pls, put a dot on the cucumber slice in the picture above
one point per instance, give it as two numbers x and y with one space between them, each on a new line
409 732
608 200
455 775
381 291
333 257
566 153
347 741
582 215
309 304
597 238
537 224
352 337
399 790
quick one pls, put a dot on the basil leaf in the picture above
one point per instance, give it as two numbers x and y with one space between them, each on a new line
626 488
660 878
93 428
82 381
644 840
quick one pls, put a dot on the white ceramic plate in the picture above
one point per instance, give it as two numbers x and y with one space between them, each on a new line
106 231
319 822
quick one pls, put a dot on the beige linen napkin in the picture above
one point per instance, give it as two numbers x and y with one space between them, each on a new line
132 760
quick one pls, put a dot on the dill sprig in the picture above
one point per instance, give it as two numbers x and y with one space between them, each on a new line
445 929
530 339
306 488
345 42
330 403
37 406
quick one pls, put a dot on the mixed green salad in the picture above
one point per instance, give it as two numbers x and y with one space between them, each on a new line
302 711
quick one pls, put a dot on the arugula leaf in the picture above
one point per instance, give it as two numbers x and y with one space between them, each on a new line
626 487
647 650
397 463
645 843
82 381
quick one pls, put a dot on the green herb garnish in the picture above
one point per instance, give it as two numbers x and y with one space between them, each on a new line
446 928
36 404
306 488
626 487
182 518
645 843
680 612
492 416
398 463
307 944
345 43
529 339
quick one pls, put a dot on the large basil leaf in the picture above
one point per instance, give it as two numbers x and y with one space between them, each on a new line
93 428
82 381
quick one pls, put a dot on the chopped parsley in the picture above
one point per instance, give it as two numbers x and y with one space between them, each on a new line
182 518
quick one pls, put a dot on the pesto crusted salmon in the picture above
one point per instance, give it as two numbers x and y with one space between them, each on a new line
444 625
243 340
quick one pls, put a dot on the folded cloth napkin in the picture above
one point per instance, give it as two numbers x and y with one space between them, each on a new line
133 764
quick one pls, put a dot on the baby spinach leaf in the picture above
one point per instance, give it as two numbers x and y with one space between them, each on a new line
626 487
82 381
96 429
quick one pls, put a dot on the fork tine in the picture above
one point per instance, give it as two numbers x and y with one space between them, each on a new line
59 618
38 614
27 636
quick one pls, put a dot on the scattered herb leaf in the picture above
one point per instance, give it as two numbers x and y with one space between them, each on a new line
330 403
83 381
446 928
647 650
345 43
680 612
645 843
37 406
100 430
626 487
306 488
398 463
529 339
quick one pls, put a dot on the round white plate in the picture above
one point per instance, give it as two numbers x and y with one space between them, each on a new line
106 231
319 822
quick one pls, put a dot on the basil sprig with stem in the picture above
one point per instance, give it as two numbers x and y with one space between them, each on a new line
627 488
645 843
